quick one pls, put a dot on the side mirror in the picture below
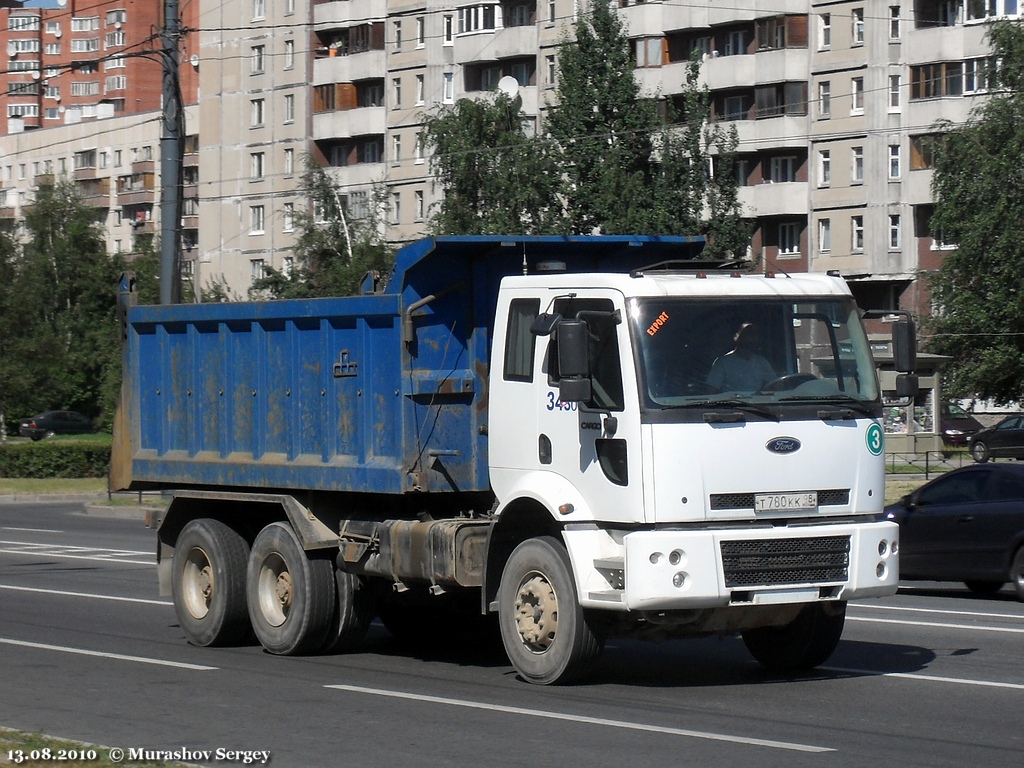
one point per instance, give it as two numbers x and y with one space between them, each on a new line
906 385
573 361
904 346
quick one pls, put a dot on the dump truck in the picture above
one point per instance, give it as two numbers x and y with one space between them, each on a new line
526 432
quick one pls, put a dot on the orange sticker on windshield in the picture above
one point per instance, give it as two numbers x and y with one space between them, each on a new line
656 325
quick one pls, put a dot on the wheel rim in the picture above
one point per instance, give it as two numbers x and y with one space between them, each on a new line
536 613
198 583
276 590
979 452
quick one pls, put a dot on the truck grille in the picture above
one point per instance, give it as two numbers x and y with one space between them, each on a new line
829 497
768 562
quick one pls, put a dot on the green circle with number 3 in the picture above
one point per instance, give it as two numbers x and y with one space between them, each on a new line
873 438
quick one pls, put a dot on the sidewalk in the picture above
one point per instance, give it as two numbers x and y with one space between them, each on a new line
95 504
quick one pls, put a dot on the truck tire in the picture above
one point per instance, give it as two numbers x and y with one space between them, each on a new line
543 627
804 643
354 609
208 583
291 593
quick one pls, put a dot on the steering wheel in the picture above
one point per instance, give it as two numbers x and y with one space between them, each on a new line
788 382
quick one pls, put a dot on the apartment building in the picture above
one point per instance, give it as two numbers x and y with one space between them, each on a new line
833 101
82 85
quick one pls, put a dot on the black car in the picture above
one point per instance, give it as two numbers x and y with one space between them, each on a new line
1003 440
51 423
967 525
956 424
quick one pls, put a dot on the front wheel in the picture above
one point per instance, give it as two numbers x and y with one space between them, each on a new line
208 583
543 627
291 594
804 643
980 452
984 587
1017 573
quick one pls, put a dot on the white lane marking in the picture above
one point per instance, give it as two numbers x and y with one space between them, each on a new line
583 719
102 654
29 530
947 612
64 593
937 625
70 552
927 678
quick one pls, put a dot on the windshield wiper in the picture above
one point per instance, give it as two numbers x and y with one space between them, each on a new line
744 405
868 409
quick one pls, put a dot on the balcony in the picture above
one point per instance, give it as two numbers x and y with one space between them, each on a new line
349 122
95 193
143 166
86 173
346 69
784 199
341 13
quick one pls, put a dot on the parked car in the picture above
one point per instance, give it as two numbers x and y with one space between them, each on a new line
967 525
51 423
1002 440
957 425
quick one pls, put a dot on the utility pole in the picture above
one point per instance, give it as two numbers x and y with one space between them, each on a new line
170 159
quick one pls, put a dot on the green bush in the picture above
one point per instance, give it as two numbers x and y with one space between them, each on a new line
55 458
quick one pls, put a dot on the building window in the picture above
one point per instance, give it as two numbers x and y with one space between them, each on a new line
289 108
824 31
894 22
449 88
396 149
289 162
258 112
824 167
449 29
857 233
421 32
289 54
789 239
419 205
25 23
857 165
419 90
894 231
647 51
258 59
396 208
894 93
894 161
256 166
857 96
418 149
930 81
288 217
477 18
977 73
824 99
396 93
256 220
288 266
782 169
857 31
259 9
824 235
397 28
549 66
81 23
256 269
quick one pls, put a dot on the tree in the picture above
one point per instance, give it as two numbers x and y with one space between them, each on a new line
978 187
60 344
496 179
334 250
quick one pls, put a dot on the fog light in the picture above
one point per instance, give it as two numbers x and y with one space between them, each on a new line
883 547
895 547
675 557
679 580
655 558
881 570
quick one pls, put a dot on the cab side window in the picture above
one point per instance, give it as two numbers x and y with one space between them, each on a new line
519 342
605 369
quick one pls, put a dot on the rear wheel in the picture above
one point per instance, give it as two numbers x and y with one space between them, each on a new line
543 627
984 587
353 612
804 643
208 583
980 452
291 594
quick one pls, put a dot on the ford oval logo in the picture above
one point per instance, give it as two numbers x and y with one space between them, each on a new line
783 445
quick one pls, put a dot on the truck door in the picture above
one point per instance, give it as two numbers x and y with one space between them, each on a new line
595 444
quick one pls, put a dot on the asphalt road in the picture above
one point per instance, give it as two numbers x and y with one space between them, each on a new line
89 651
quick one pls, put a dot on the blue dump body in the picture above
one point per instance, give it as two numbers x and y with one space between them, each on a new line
381 393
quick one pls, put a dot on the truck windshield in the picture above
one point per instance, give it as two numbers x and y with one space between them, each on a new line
702 352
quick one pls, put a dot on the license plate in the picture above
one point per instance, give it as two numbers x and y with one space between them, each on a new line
782 502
